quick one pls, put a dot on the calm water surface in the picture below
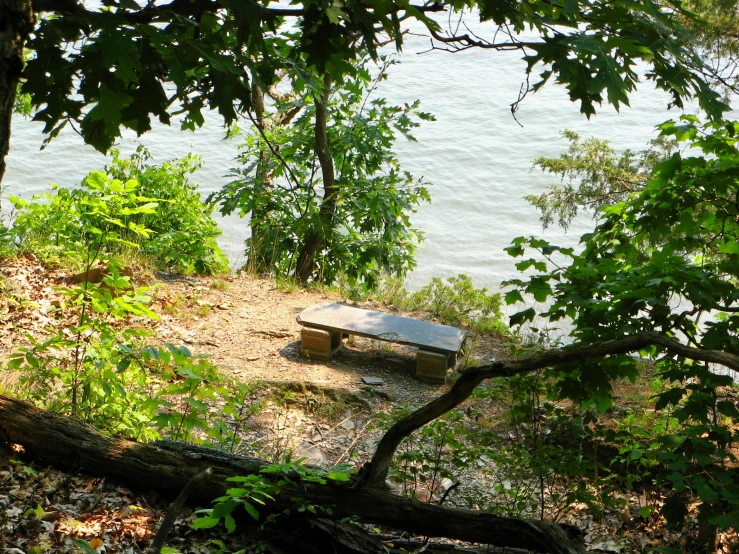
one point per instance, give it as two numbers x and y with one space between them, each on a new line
477 157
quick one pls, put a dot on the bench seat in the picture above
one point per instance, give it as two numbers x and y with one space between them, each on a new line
326 325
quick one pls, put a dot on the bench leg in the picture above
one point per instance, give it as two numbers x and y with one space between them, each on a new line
432 366
319 344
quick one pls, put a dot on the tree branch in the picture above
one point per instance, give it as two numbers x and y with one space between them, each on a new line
469 41
374 472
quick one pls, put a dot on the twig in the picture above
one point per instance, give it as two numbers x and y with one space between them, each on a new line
174 510
448 492
348 448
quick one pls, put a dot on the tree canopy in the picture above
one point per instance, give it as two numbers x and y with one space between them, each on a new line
658 262
123 63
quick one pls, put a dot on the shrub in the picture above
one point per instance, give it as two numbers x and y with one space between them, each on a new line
159 211
183 227
458 302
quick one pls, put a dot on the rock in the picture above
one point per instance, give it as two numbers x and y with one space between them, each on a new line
348 425
375 381
311 453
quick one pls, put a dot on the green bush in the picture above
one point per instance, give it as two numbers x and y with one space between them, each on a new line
6 242
99 369
458 302
103 373
183 227
160 213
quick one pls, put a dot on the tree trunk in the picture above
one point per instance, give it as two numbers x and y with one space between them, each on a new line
168 466
306 263
262 250
257 262
16 22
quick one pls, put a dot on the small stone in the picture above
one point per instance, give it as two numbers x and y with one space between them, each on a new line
372 380
348 425
312 453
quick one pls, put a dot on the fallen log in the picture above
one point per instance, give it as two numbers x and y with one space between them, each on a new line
167 467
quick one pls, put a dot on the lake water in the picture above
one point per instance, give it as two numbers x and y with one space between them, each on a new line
477 157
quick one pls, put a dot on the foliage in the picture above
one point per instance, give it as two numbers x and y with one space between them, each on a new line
252 489
717 29
661 259
134 207
98 370
22 104
259 489
458 302
370 230
590 49
537 456
593 176
184 231
6 240
103 374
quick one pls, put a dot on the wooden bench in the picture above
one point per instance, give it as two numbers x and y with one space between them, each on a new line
326 325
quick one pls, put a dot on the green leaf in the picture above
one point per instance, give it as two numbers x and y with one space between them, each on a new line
251 510
522 317
728 408
669 397
672 441
513 296
205 522
723 522
102 124
338 476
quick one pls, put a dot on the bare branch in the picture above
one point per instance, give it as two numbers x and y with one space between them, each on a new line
469 40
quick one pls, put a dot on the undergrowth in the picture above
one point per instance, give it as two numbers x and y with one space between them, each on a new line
151 213
455 301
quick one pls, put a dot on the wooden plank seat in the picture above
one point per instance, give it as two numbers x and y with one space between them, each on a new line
326 325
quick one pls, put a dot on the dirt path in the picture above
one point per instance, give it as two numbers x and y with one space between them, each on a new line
247 326
250 330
